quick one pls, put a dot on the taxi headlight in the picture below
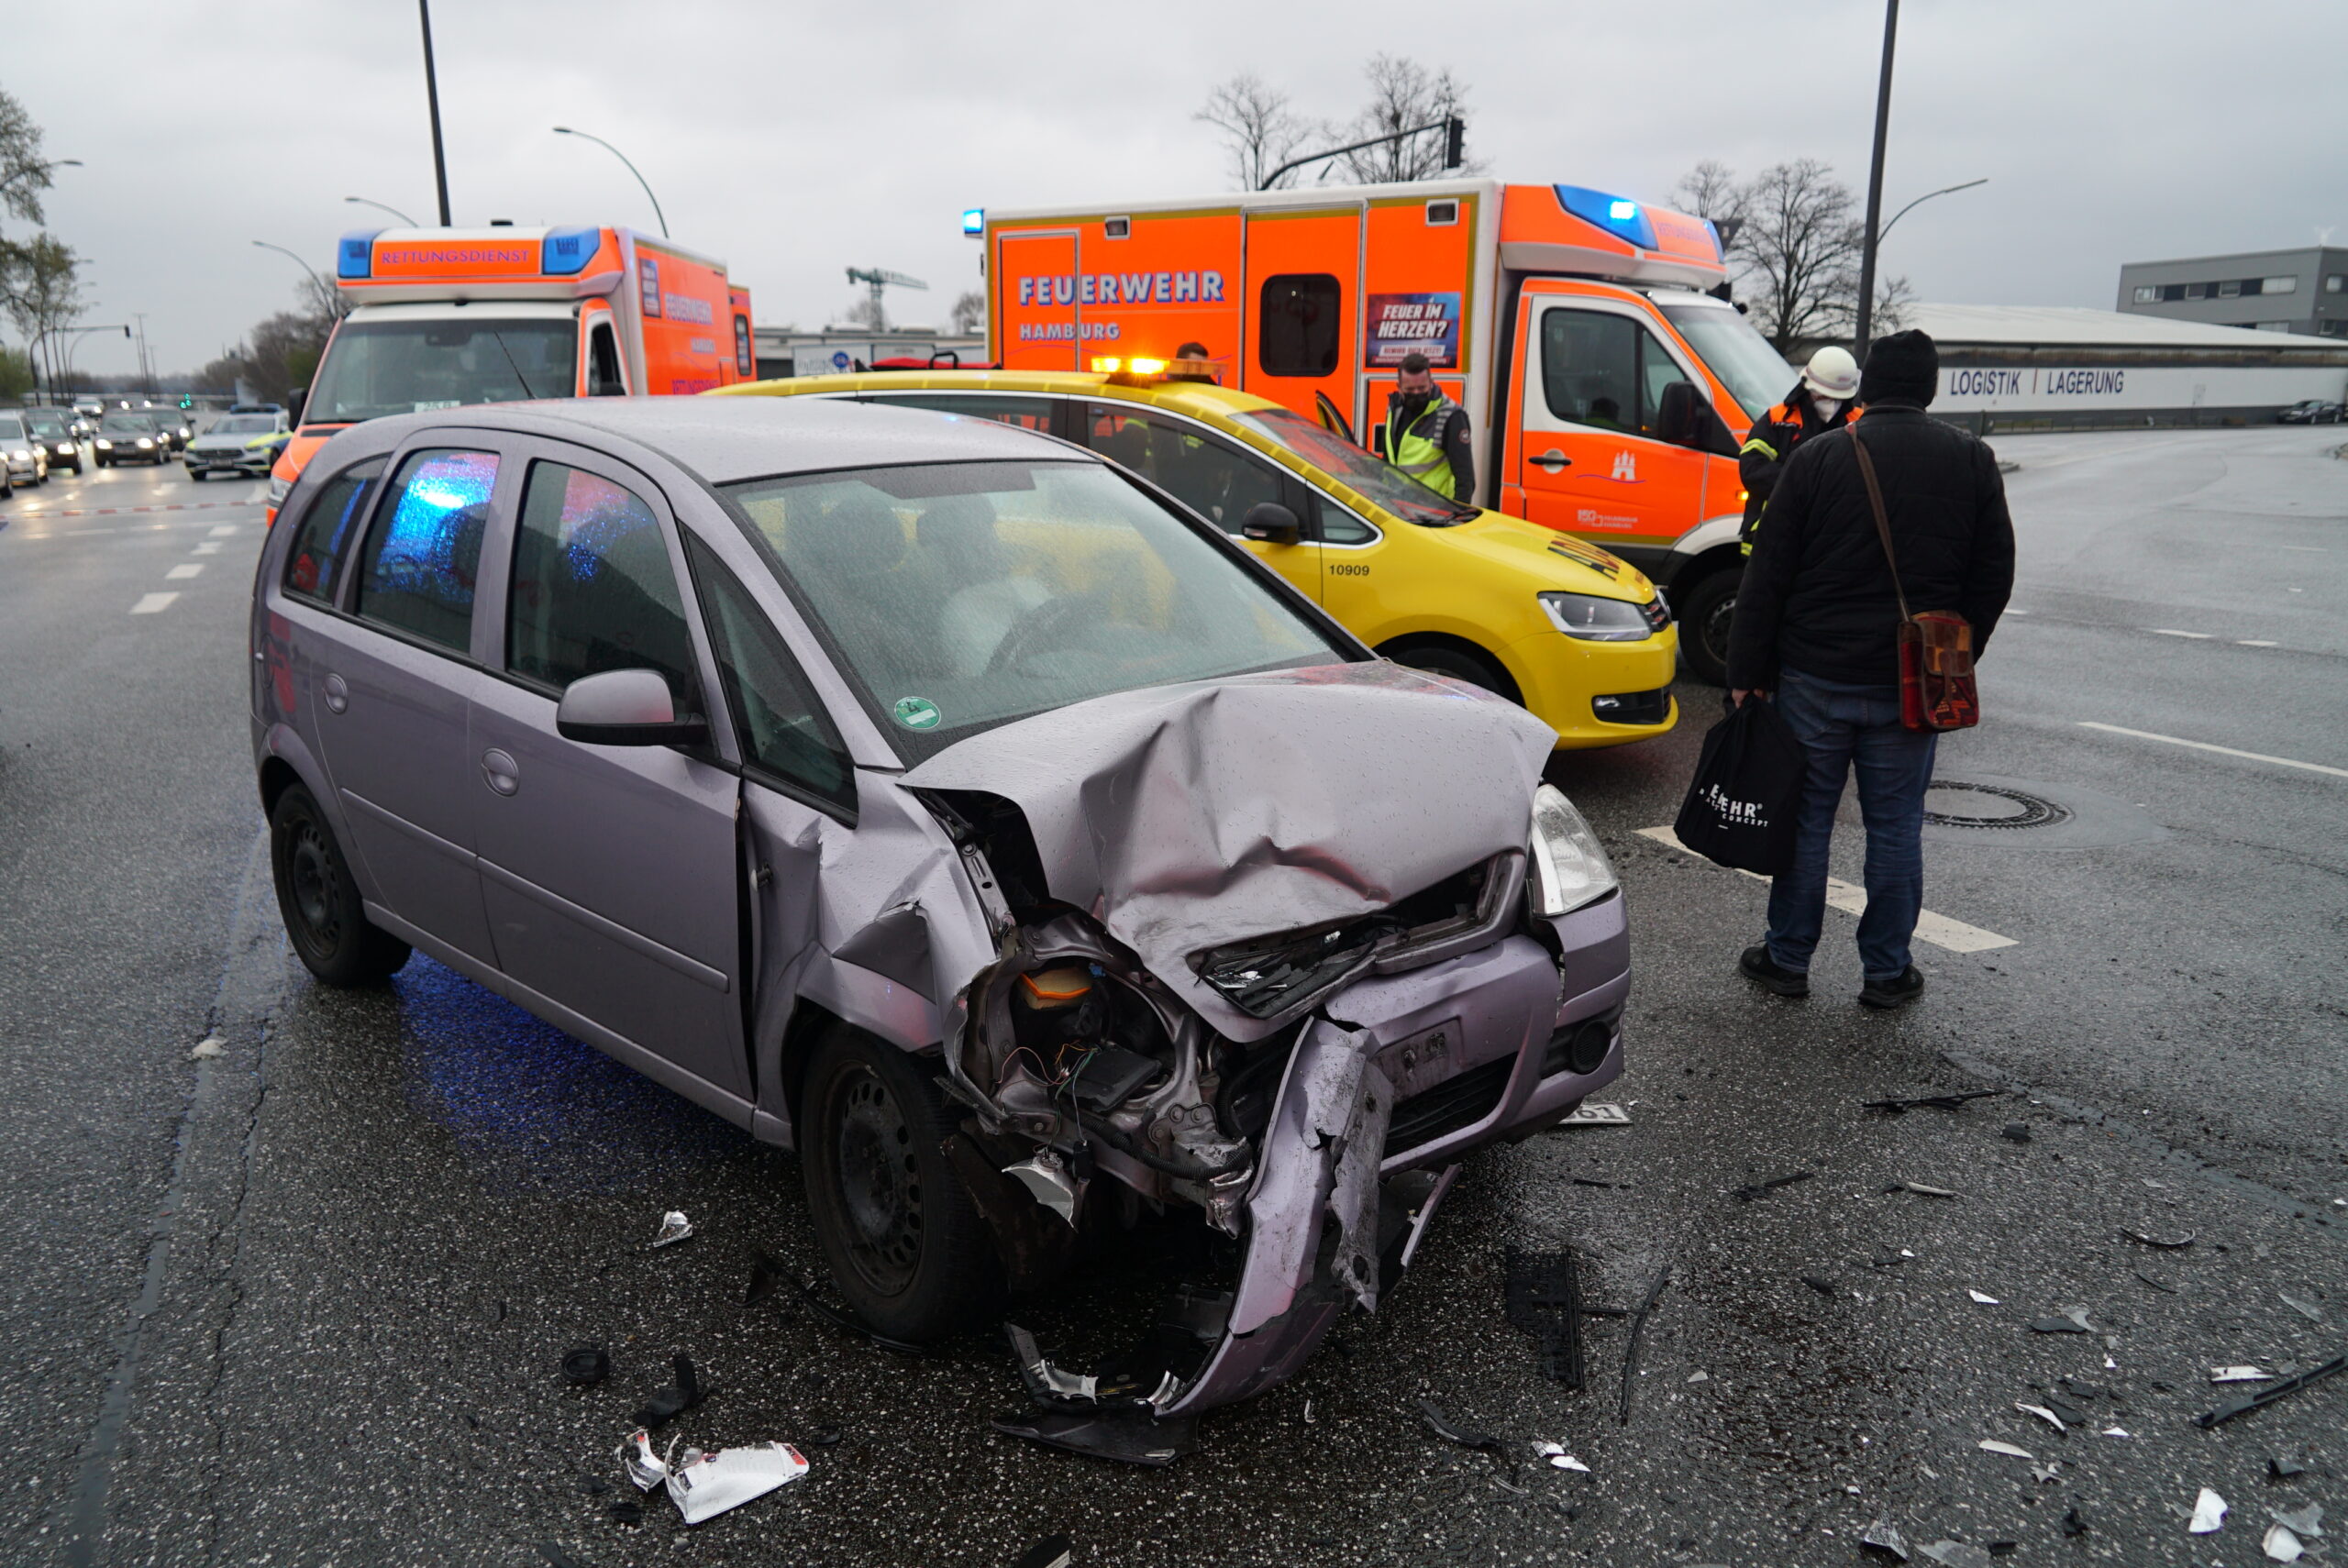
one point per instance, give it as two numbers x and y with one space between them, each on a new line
1570 868
1596 620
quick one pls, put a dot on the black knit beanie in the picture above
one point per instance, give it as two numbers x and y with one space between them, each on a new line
1904 366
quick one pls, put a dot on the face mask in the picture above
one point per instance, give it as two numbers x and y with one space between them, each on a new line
1825 406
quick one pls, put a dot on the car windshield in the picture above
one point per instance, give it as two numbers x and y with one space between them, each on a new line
1383 483
47 425
378 368
128 424
11 428
1755 374
960 596
244 425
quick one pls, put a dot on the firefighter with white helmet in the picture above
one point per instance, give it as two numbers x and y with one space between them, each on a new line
1820 401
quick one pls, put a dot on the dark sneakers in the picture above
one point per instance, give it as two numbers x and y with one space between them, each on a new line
1898 991
1757 966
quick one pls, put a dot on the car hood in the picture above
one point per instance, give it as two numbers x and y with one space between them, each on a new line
1186 817
1571 563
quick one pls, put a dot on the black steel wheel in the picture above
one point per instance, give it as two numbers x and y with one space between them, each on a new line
1704 617
903 1239
320 903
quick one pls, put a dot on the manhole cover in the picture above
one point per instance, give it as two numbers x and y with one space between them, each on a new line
1990 806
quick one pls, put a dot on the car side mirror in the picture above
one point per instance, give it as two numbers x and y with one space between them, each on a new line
294 402
1679 419
1269 522
625 707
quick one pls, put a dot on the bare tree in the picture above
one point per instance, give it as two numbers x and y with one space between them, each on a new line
971 313
1795 245
1709 191
1259 132
1894 304
40 286
1403 95
867 313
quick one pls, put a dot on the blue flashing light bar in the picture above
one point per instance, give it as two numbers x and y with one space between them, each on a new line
355 255
567 250
974 221
1618 216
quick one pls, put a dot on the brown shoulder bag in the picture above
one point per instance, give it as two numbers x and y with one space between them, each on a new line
1936 689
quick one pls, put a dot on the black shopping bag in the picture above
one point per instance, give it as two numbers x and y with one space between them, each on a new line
1741 805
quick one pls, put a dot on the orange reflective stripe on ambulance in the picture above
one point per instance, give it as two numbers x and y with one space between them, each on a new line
445 318
1605 384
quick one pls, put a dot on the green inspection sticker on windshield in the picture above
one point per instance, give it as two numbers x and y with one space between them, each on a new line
916 713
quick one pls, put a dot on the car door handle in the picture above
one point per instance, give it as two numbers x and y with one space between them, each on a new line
337 693
500 771
1554 459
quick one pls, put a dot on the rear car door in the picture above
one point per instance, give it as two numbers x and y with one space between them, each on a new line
1594 460
609 873
393 674
1216 479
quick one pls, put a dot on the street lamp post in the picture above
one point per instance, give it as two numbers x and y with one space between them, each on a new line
1920 201
1875 181
74 337
432 98
380 206
615 152
334 301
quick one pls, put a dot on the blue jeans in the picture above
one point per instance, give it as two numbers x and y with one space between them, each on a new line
1842 725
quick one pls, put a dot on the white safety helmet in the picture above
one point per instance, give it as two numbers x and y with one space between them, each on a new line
1832 373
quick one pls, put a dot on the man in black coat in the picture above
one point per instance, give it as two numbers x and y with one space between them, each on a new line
1816 631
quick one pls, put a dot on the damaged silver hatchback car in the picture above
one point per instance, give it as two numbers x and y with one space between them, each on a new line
939 799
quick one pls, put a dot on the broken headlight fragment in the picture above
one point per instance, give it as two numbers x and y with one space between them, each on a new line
1570 866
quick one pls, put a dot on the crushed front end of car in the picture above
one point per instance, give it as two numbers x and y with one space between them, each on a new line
1282 949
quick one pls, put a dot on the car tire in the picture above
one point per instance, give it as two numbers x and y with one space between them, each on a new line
1458 663
1704 616
903 1242
319 901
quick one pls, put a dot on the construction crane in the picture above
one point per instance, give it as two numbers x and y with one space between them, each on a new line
877 279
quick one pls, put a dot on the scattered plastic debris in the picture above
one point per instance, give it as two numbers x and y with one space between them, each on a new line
2307 1521
1982 1300
2073 1524
556 1556
1588 1114
1475 1442
2282 1468
668 1402
707 1484
626 1511
2074 1320
2289 1386
1048 1385
766 1273
2015 1132
2209 1513
1991 1446
2282 1545
2303 1307
1939 1101
2042 1413
1821 1284
1891 1257
586 1367
2116 1431
2166 1243
643 1466
1558 1458
675 1228
2240 1374
1884 1536
1052 1551
2046 1472
822 1437
211 1045
1699 1378
1957 1554
1752 1190
1920 1188
2157 1285
1543 1296
1638 1327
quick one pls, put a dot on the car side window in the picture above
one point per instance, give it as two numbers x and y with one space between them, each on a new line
1589 368
1338 526
1203 474
1025 412
783 731
593 587
314 566
422 559
1657 369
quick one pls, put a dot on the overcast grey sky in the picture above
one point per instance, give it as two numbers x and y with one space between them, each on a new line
793 140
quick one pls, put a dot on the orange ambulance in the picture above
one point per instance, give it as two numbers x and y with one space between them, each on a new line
1606 386
442 317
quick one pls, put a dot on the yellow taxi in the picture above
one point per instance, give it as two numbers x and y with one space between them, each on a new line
1581 638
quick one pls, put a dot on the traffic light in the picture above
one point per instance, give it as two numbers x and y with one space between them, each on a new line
1455 142
186 402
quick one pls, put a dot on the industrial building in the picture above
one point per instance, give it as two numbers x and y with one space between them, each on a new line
2059 367
2303 290
786 351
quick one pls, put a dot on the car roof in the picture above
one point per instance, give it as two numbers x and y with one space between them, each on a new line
726 439
1188 397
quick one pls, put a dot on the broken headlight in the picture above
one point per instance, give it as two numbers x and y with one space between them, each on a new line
1261 977
1569 870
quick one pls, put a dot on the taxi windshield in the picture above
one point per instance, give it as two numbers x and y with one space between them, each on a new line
1755 374
1387 486
960 596
374 369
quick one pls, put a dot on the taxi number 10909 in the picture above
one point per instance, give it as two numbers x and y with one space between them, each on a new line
1341 569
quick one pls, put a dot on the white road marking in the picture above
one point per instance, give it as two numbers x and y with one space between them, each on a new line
208 548
2221 750
1954 935
2156 631
151 602
2251 643
222 530
179 573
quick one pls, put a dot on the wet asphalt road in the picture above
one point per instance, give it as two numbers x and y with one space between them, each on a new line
303 1302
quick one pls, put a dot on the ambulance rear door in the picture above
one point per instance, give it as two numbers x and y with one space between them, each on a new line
1302 298
1035 278
1418 294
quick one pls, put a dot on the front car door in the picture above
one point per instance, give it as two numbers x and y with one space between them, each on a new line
1212 477
609 873
1592 458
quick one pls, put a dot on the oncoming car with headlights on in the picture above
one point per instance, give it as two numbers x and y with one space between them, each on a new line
940 800
1579 637
130 438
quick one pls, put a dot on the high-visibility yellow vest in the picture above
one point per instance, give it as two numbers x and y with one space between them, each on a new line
1418 450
